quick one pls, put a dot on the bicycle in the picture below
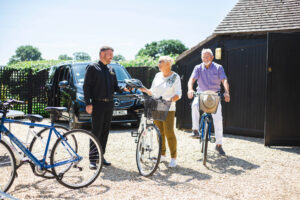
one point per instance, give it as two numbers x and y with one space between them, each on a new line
39 139
149 141
70 155
205 126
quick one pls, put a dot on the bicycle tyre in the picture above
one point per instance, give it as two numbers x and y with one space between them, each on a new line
7 160
37 147
153 160
205 142
75 175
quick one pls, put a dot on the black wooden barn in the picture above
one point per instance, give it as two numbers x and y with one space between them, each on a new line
260 52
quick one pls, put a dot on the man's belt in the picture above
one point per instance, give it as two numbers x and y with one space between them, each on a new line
104 100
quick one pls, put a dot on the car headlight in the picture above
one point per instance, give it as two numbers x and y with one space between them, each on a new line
80 96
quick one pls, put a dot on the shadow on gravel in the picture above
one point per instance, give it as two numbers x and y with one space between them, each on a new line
187 175
229 164
116 174
295 150
45 191
163 177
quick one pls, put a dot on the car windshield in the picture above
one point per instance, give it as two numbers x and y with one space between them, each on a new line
121 72
79 72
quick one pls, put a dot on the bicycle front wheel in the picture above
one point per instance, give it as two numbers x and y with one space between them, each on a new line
7 167
72 168
205 142
148 151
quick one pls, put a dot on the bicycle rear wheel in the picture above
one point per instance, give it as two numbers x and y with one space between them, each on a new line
7 167
205 142
148 151
77 174
38 145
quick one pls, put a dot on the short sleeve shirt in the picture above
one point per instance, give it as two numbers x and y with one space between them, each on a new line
209 79
166 87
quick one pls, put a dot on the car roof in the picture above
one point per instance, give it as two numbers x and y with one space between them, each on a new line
87 63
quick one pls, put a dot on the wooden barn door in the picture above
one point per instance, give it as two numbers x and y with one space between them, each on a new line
282 118
244 115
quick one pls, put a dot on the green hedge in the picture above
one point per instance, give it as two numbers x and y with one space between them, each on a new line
143 61
35 66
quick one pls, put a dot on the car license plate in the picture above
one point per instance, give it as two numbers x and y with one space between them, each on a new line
119 112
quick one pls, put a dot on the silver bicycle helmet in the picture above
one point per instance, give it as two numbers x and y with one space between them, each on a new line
134 83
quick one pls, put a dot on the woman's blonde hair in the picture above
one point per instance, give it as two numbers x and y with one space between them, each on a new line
167 59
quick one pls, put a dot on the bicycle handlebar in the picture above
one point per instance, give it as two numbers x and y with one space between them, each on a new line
222 97
143 96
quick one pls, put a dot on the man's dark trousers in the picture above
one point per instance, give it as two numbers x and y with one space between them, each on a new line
101 120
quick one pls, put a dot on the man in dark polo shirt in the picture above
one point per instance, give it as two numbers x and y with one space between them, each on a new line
100 83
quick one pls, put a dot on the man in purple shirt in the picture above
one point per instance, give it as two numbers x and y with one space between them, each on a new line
209 76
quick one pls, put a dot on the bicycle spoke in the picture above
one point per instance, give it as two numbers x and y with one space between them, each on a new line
38 145
7 167
77 174
148 150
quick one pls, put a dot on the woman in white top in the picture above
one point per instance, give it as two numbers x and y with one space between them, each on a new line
166 84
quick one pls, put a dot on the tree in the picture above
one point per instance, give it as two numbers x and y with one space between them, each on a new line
81 56
26 53
118 58
163 47
64 57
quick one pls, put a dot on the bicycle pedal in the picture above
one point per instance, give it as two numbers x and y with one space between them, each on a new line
212 139
134 133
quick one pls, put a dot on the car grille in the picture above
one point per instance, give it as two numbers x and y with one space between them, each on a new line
121 103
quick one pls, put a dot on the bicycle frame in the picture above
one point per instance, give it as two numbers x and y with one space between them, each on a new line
202 121
143 123
18 143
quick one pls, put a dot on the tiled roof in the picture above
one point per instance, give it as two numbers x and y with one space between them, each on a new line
261 16
256 16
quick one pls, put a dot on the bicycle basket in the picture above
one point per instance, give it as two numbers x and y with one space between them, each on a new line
157 109
209 102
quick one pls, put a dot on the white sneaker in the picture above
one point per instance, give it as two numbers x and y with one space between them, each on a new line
172 163
163 158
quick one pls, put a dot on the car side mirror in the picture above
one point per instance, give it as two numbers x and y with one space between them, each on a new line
63 84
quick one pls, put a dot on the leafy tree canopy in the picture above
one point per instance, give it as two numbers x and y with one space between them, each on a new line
118 58
64 57
81 56
163 47
26 53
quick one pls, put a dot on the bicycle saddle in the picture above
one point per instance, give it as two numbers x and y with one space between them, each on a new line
34 118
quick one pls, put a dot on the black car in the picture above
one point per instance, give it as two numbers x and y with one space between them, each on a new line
64 88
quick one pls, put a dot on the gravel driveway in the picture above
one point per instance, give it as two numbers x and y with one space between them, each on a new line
249 171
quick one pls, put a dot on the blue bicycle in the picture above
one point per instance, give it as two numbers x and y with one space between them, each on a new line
206 124
66 158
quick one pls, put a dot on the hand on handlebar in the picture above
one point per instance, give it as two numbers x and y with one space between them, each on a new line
190 94
227 97
143 90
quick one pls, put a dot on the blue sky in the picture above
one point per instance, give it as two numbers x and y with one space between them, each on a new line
66 26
